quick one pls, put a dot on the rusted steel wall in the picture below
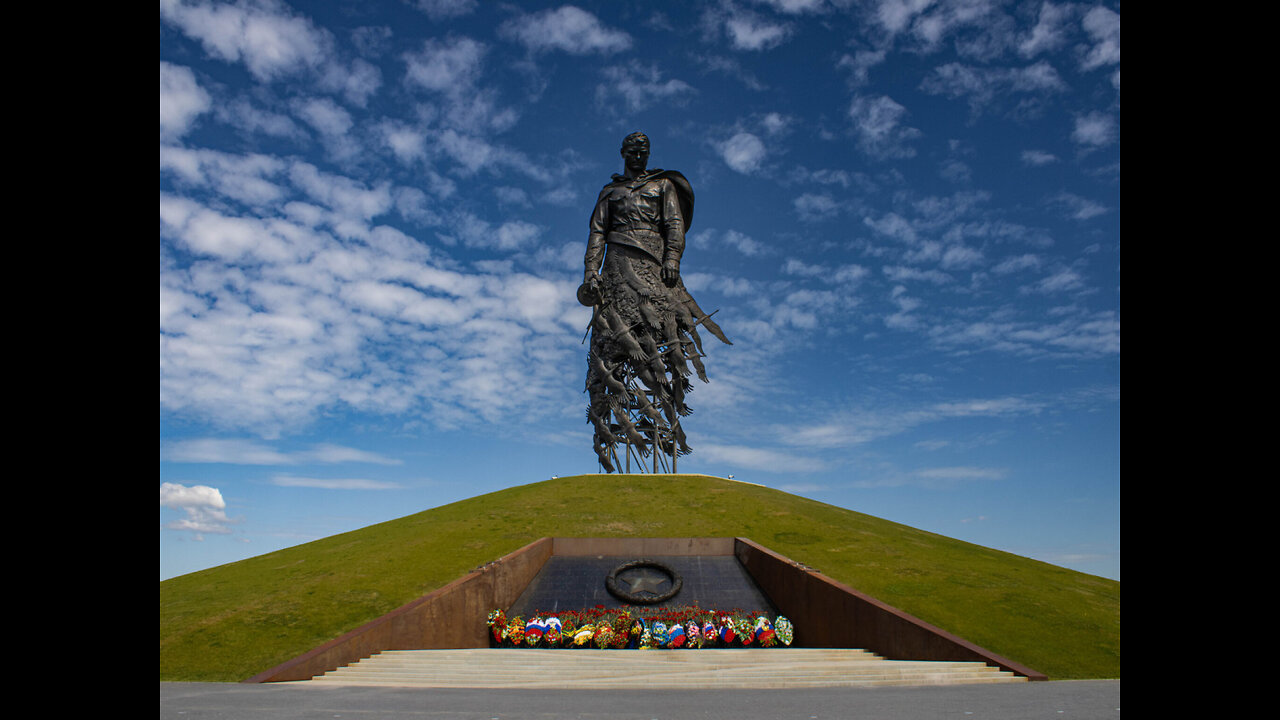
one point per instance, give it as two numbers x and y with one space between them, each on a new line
450 617
826 613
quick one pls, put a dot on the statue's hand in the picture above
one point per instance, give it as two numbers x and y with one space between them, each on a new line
670 274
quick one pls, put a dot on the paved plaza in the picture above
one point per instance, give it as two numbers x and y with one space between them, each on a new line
1062 700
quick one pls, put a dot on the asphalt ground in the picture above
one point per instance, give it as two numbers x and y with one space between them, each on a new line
1060 700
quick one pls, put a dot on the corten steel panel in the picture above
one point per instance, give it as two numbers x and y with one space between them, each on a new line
642 547
430 622
826 613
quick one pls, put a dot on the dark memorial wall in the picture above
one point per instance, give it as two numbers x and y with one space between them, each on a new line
712 582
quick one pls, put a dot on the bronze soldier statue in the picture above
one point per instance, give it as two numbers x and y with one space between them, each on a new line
644 325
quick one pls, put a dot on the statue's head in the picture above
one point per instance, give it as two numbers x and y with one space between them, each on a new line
635 151
636 139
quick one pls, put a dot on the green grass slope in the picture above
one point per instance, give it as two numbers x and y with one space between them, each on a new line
233 621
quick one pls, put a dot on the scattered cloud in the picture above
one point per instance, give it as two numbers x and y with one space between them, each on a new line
815 207
450 65
446 9
1103 26
796 7
638 86
1095 129
879 126
1050 32
182 100
962 473
334 483
743 152
567 29
1038 158
860 64
852 427
758 458
240 451
748 31
266 36
1077 207
987 87
204 508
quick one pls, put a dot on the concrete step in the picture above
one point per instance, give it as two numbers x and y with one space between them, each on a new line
719 668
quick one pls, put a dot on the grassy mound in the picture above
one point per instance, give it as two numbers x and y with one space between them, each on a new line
233 621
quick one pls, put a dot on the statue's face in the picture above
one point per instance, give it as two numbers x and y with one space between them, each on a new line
635 156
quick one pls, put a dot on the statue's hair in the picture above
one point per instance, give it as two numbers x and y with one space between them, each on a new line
636 138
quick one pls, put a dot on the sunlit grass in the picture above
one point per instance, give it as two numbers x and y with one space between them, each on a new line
234 621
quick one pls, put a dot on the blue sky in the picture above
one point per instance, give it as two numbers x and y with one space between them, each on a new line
373 216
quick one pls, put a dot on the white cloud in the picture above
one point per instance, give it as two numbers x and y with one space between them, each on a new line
795 7
243 114
814 207
860 64
839 275
758 458
899 274
332 122
639 86
1103 26
896 15
240 451
879 126
177 496
847 428
265 35
356 83
775 123
452 69
748 31
956 257
1050 31
1038 158
893 225
986 86
300 304
452 65
1062 280
979 29
1076 207
405 142
334 483
1017 263
182 100
1077 334
348 199
445 9
739 241
743 152
204 507
1095 129
251 179
962 473
567 29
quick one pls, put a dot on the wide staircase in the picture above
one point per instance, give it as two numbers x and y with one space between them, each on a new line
709 668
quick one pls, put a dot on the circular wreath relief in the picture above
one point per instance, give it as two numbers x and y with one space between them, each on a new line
639 592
